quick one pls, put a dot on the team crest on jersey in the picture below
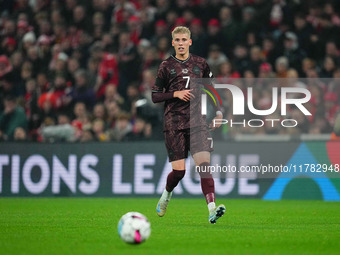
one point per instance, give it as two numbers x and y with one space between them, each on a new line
196 70
185 71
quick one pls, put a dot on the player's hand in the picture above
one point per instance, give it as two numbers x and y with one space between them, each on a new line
217 123
184 95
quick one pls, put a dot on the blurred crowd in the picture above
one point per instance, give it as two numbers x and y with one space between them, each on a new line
74 70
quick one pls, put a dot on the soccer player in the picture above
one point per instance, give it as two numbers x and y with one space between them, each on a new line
183 132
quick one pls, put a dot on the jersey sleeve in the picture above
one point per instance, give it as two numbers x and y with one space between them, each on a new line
209 75
158 89
206 72
161 79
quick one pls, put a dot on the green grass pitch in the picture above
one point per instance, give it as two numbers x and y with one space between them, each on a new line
89 226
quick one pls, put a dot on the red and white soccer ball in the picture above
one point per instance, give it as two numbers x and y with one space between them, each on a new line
134 228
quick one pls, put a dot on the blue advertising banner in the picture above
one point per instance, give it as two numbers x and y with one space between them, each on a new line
265 170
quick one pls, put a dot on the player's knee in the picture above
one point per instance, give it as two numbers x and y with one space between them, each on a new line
204 170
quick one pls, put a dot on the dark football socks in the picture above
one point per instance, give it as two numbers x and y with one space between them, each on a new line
207 183
173 179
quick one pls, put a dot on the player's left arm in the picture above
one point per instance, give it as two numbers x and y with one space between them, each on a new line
219 114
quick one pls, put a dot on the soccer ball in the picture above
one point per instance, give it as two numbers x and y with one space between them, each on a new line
134 228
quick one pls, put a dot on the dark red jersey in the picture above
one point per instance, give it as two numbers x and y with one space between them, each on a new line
174 75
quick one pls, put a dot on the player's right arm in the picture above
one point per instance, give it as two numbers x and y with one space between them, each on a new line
184 95
158 93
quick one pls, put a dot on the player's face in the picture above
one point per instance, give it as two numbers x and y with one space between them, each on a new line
181 43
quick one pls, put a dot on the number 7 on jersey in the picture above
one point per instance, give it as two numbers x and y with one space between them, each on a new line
188 80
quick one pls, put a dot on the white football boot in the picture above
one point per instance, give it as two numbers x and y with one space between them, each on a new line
163 203
216 213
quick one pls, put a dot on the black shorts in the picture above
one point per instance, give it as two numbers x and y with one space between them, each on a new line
179 142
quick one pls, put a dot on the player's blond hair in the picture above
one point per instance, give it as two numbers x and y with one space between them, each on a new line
181 30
